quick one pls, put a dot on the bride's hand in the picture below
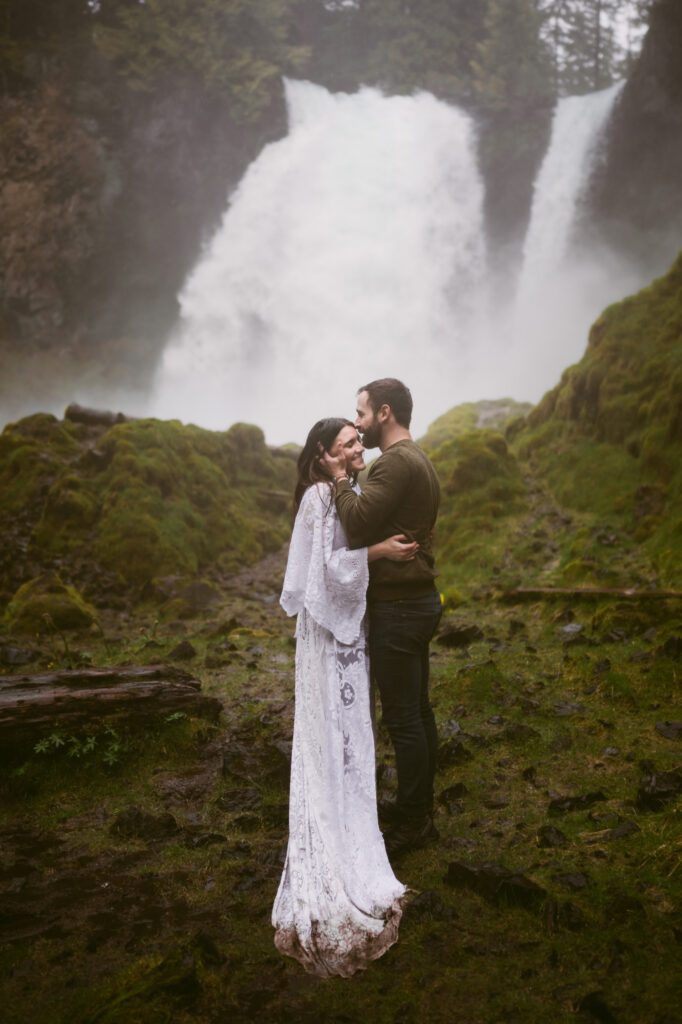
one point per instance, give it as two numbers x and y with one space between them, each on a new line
397 549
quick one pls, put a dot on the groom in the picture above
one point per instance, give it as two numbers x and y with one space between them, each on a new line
401 495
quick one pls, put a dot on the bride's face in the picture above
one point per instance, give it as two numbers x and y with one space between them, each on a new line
347 444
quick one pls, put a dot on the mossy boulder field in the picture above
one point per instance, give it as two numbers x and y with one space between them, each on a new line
145 813
111 510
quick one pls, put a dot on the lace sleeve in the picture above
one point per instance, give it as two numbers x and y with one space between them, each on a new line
323 574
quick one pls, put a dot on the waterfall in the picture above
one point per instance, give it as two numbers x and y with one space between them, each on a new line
353 248
577 129
564 284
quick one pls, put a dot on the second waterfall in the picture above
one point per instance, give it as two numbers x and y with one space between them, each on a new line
353 248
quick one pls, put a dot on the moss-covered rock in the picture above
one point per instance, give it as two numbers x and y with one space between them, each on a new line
176 497
45 603
142 498
606 439
482 492
627 619
484 415
31 454
480 472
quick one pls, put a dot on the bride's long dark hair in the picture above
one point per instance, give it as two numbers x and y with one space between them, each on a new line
309 472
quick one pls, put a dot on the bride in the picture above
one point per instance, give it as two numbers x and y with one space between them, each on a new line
339 904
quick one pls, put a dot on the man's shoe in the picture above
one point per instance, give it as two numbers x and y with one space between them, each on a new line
410 835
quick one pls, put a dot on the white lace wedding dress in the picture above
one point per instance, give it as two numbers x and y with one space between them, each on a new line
338 904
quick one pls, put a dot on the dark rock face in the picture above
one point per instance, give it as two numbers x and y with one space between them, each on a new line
511 148
109 193
637 195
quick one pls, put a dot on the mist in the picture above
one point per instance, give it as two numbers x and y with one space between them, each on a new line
355 248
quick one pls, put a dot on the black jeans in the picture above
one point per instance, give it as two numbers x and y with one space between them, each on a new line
399 635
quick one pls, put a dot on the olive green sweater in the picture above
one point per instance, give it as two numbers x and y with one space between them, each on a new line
401 495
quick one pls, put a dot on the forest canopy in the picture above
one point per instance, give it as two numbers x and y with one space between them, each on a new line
488 54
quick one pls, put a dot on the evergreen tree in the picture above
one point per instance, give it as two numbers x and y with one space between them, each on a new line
427 44
512 69
234 48
583 37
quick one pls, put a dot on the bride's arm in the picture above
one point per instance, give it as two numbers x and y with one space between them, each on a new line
397 549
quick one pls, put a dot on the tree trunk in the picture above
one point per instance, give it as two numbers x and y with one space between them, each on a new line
31 704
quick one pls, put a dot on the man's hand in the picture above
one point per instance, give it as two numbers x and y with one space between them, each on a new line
333 465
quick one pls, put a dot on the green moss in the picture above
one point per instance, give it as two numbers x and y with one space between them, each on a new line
482 491
491 415
611 428
158 498
626 618
33 452
478 462
46 603
70 508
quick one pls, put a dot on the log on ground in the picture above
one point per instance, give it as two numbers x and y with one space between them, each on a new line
71 699
628 593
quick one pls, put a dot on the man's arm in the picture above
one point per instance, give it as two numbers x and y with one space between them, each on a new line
363 515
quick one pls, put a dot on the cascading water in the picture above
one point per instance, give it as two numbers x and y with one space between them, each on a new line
563 286
578 126
352 249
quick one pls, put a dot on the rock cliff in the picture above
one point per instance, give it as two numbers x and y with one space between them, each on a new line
106 196
637 194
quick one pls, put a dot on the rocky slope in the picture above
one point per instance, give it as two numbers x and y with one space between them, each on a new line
585 488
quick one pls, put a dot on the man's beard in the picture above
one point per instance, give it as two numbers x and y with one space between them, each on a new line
371 437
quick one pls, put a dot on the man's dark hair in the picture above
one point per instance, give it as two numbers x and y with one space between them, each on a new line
392 392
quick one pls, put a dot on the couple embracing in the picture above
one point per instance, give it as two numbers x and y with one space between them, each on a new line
360 575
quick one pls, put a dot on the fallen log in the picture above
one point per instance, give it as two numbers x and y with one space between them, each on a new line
631 593
95 417
70 699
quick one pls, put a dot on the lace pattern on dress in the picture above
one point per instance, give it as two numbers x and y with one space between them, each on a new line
338 903
323 574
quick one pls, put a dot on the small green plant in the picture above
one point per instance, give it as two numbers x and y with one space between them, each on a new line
110 746
114 746
177 716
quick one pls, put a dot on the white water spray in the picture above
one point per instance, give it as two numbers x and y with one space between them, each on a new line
562 287
578 126
352 249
